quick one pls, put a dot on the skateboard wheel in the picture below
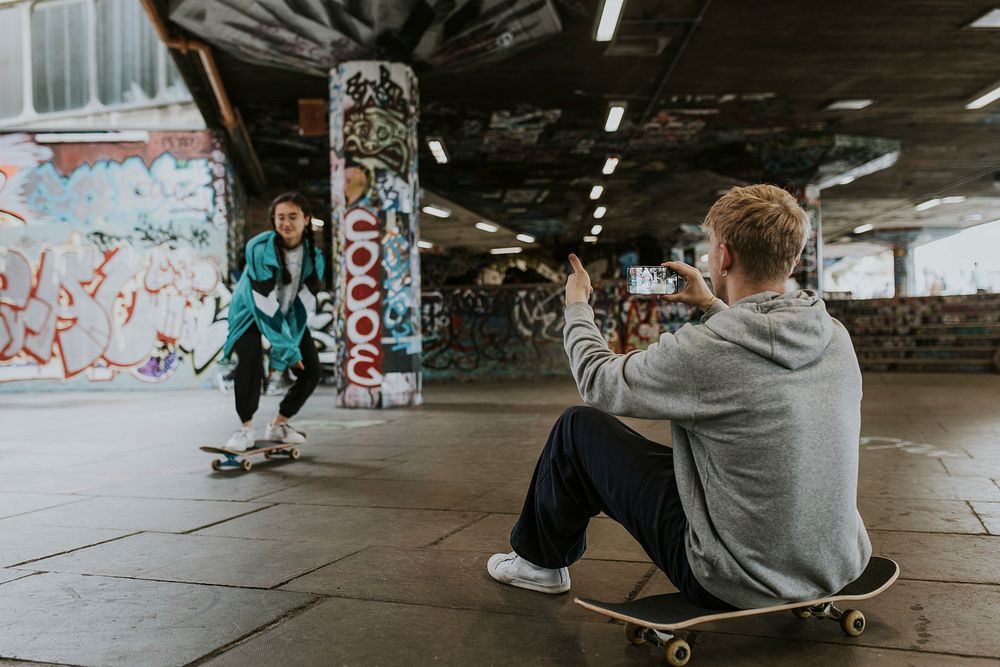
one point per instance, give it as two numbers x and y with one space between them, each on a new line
633 633
852 622
802 612
246 464
216 465
677 652
294 453
267 455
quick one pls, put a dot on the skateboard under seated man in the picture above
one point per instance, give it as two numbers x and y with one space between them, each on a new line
755 503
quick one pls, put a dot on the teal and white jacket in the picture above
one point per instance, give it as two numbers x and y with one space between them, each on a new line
256 301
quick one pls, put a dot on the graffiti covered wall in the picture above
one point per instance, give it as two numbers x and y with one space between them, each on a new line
112 260
480 333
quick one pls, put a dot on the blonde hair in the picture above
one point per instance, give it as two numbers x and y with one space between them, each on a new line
764 226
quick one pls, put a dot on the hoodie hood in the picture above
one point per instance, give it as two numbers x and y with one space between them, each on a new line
791 329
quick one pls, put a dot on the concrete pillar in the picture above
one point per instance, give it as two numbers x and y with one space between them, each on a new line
374 107
809 272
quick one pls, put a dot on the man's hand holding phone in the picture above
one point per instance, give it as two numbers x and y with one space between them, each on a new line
695 291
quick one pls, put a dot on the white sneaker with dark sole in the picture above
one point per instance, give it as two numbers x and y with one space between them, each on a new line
513 570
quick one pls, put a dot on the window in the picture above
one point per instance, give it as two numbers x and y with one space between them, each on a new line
11 65
128 53
59 46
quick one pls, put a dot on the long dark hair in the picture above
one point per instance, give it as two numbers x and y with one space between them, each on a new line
298 199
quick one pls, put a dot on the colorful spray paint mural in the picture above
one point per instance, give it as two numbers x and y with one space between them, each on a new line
482 333
373 120
112 257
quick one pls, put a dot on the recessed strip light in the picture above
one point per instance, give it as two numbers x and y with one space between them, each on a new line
486 227
848 105
952 200
590 239
990 19
436 212
426 245
616 111
317 223
600 211
609 166
864 228
610 14
505 251
989 97
525 238
596 191
929 204
596 229
438 151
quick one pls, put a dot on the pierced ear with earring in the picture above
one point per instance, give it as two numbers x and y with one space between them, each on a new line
724 272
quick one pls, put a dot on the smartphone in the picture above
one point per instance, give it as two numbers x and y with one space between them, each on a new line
651 280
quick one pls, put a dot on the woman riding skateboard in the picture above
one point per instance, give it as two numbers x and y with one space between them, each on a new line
283 266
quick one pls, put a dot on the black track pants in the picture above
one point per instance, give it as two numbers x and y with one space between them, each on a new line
249 375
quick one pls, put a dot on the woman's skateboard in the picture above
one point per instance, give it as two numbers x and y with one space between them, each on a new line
236 458
657 618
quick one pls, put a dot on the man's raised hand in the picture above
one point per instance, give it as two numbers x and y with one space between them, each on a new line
695 291
578 286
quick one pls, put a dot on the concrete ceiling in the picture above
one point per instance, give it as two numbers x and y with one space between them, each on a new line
522 117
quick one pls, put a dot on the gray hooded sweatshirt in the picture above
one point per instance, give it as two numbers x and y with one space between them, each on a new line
765 403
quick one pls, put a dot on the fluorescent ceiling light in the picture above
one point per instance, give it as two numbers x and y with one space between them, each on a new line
989 97
610 14
600 211
505 251
486 227
596 191
990 19
930 203
848 105
316 222
437 150
952 200
846 180
596 229
437 212
525 238
426 245
609 166
973 217
616 111
590 239
864 228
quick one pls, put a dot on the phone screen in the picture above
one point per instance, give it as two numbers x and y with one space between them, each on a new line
651 280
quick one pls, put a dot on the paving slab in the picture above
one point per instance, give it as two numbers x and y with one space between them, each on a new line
913 515
363 526
507 498
989 514
382 493
414 576
229 561
12 574
606 539
20 542
936 557
486 470
205 485
913 615
159 514
973 467
12 504
909 485
108 622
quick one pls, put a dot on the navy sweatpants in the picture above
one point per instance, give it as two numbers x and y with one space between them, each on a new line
594 463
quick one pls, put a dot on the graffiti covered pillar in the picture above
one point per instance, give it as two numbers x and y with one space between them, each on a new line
374 108
808 273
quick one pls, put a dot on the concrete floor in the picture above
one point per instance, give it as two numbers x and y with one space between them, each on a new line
119 546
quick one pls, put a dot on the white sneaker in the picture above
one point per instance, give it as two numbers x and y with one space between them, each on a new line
241 440
284 434
514 570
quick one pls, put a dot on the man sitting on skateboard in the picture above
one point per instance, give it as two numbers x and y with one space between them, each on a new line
755 504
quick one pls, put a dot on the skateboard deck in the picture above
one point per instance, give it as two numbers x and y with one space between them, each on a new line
658 617
241 459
